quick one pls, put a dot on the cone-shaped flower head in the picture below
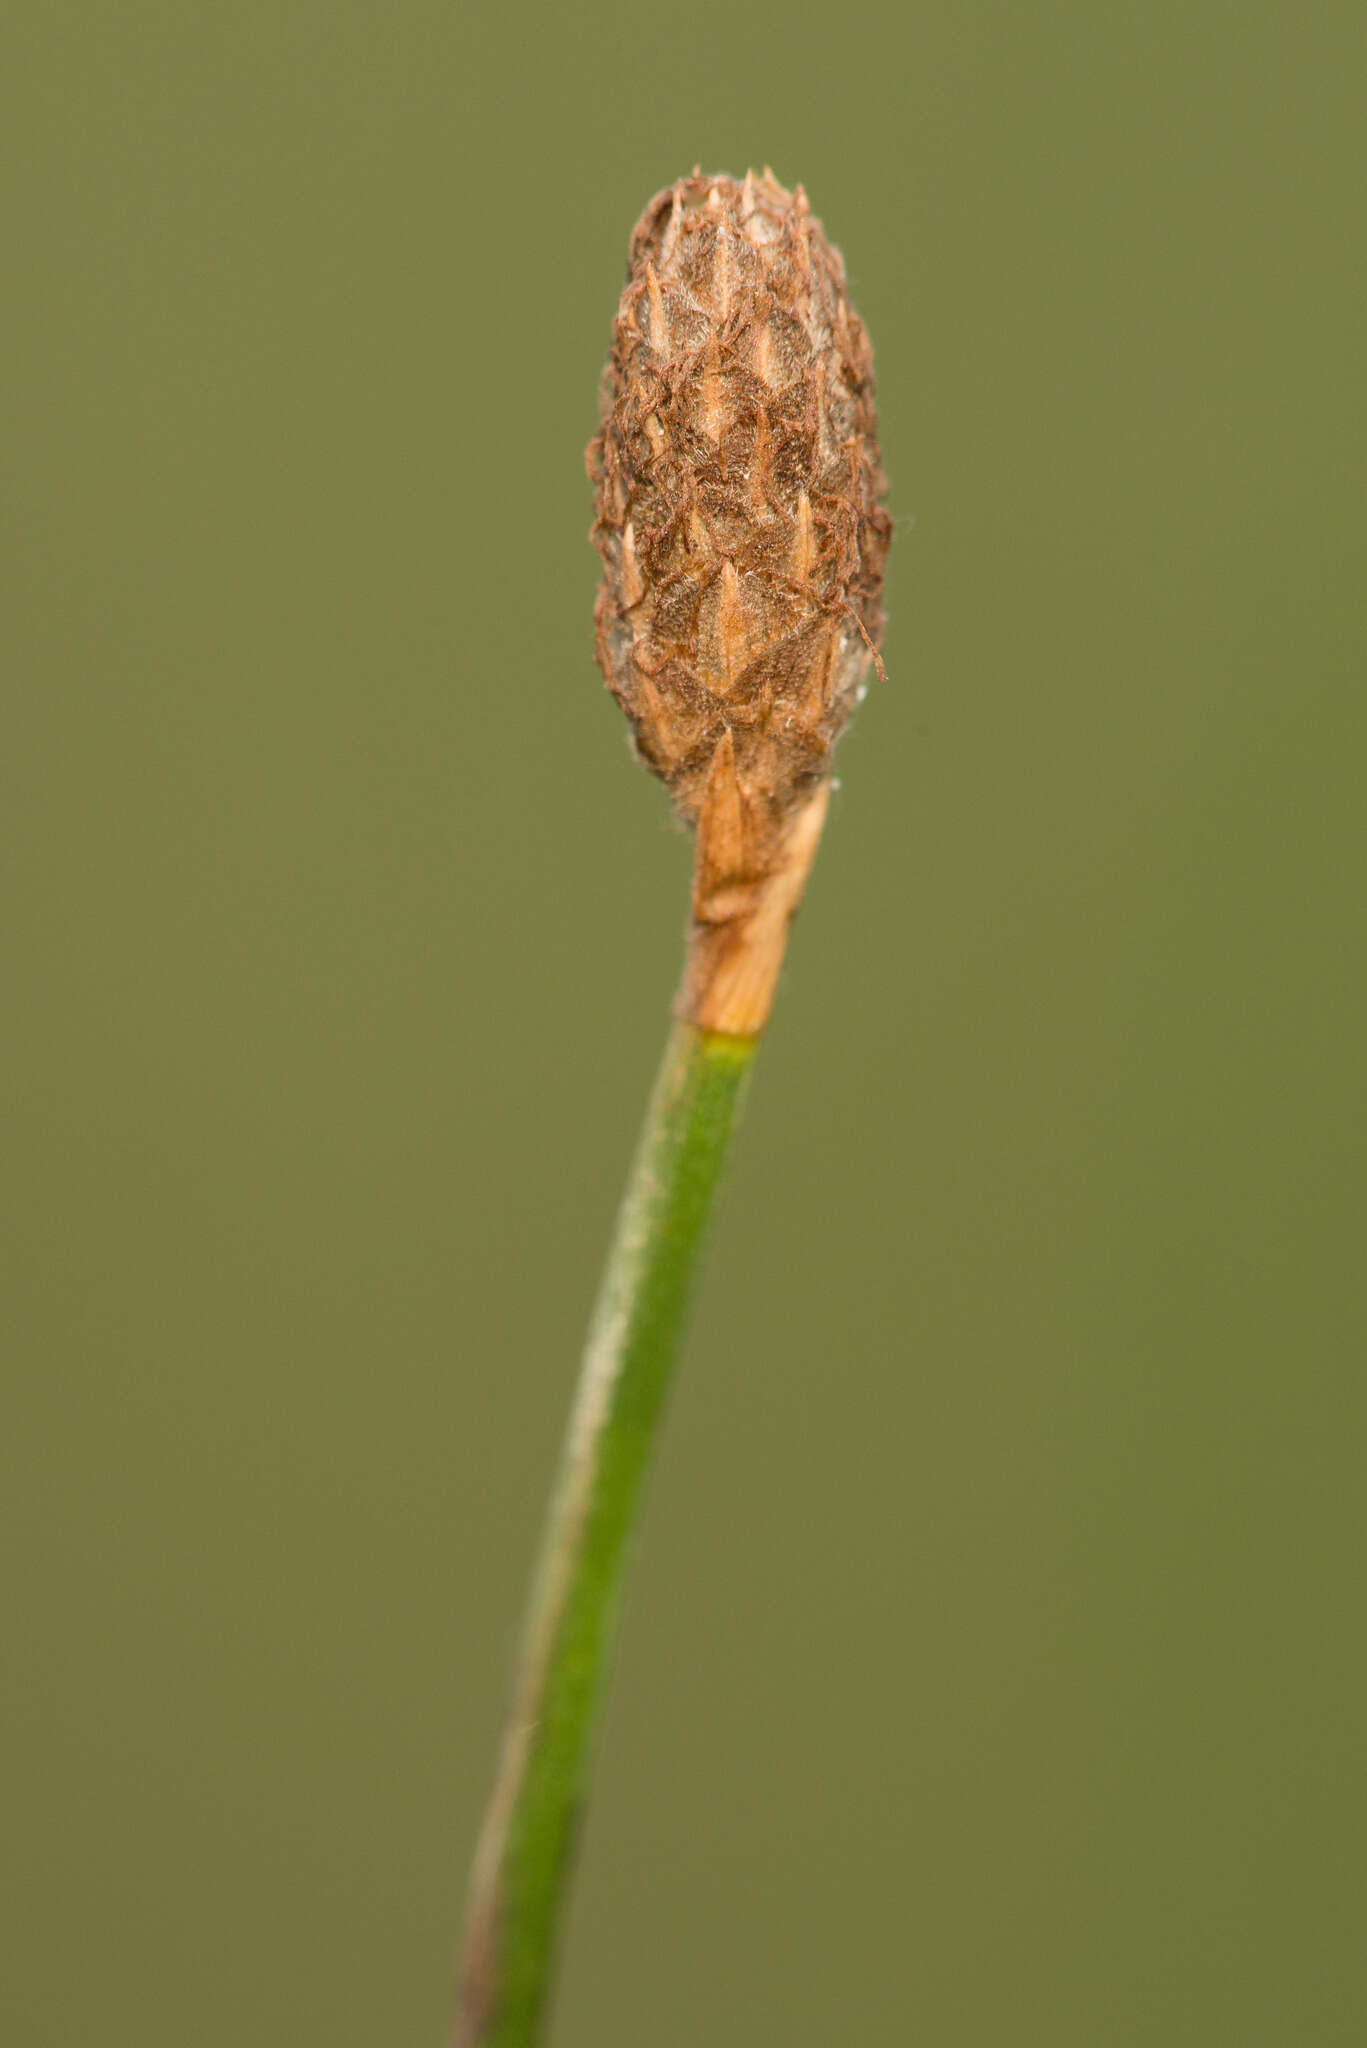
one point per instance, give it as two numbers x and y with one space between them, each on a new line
739 495
743 535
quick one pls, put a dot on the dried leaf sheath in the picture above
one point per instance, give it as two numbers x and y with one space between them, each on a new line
743 537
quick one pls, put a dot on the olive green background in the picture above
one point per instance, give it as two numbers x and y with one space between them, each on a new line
994 1665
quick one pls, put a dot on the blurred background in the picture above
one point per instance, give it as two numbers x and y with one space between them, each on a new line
994 1663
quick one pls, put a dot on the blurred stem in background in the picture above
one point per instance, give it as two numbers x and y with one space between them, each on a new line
523 1860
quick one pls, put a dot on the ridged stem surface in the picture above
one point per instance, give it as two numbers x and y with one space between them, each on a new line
522 1864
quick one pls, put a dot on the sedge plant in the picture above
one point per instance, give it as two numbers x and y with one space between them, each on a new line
741 525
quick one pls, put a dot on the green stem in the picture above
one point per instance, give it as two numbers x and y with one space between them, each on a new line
525 1849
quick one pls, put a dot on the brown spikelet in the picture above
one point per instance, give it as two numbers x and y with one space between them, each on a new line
743 536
